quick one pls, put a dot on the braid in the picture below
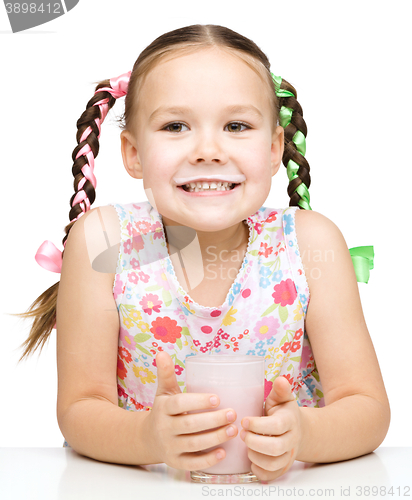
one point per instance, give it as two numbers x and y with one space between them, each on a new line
291 119
85 152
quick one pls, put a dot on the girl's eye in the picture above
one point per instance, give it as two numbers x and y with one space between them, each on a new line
237 126
177 127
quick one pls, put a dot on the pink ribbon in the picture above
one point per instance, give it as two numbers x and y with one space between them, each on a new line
48 256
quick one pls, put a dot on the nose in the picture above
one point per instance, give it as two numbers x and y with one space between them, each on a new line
208 148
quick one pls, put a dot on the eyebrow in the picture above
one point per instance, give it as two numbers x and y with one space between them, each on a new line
176 110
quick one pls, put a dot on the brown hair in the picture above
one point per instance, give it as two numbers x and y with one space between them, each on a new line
171 44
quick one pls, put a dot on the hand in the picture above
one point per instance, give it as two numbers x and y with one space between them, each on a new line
177 437
274 440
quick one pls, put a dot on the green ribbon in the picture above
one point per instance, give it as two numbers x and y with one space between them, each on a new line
362 259
285 116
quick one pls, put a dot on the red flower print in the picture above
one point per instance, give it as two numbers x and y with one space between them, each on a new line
295 346
217 343
150 303
125 354
154 362
286 346
227 346
240 336
298 334
289 378
120 391
178 369
233 339
144 227
137 405
285 293
268 388
258 227
265 250
121 369
203 349
166 330
225 336
272 217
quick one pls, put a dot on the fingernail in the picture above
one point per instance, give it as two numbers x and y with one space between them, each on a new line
230 431
213 400
219 455
230 416
245 423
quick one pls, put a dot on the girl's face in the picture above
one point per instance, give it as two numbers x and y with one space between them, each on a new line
206 113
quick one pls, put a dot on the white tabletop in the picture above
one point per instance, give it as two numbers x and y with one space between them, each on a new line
62 474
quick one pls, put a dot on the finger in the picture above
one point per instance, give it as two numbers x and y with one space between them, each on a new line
198 422
268 462
274 446
201 460
274 425
191 402
281 393
207 439
166 376
265 475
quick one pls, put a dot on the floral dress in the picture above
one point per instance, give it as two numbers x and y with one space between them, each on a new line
263 314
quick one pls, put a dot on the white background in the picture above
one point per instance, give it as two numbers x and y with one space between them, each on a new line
350 64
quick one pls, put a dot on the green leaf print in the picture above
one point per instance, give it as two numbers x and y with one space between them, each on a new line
289 367
178 362
319 393
185 331
315 375
179 344
145 351
254 252
141 337
296 358
270 309
272 228
180 383
284 339
153 288
167 297
283 313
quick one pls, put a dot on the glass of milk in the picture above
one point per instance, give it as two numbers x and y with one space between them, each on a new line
238 380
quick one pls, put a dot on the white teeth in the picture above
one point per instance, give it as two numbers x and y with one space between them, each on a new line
204 186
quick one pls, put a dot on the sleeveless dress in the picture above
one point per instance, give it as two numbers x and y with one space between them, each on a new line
263 314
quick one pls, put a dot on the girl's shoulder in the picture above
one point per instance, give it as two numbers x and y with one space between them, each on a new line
323 249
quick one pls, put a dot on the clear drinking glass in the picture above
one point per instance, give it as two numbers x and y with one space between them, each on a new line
239 383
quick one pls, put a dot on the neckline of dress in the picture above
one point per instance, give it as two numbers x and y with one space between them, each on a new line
178 286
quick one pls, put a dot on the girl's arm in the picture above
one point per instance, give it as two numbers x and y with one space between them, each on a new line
87 346
356 417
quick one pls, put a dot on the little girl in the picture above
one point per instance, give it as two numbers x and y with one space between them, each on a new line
204 267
